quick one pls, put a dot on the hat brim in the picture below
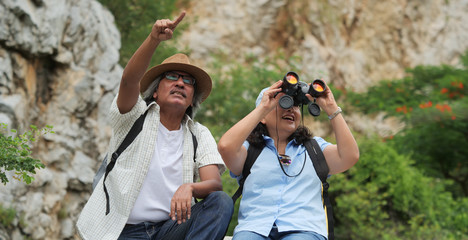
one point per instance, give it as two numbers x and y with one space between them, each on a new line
202 79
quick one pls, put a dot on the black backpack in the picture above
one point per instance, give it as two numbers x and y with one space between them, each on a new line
105 168
321 168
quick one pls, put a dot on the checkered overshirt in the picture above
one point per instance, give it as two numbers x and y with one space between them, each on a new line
125 180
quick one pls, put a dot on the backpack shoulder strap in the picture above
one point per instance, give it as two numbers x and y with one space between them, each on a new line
131 135
322 170
252 155
195 145
318 159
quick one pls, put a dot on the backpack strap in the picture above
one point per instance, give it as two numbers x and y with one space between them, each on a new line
318 159
252 155
132 134
322 170
195 145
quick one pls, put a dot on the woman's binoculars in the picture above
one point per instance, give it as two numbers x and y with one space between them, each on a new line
295 93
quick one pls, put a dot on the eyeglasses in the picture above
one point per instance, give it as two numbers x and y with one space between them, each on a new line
173 76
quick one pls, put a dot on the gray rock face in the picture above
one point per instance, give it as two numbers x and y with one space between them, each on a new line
349 43
59 66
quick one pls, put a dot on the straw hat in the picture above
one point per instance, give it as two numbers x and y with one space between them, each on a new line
179 62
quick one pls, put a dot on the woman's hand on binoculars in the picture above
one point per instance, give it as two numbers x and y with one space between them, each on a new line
326 101
270 98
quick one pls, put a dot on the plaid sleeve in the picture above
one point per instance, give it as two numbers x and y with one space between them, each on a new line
207 151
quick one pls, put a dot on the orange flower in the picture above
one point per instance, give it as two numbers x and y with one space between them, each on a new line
448 108
440 107
444 90
443 108
425 105
453 117
457 84
387 138
403 109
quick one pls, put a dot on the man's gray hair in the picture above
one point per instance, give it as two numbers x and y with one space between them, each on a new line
147 95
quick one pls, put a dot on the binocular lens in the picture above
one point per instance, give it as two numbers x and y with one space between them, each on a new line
290 81
291 78
318 87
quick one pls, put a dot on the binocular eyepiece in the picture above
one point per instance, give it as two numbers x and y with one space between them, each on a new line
295 93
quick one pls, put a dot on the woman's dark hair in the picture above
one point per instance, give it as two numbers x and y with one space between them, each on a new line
255 138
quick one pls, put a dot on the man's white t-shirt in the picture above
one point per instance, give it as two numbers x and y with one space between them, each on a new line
163 179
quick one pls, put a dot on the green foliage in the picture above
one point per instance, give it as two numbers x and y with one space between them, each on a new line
15 153
439 146
426 86
7 215
432 102
385 197
62 213
230 187
135 19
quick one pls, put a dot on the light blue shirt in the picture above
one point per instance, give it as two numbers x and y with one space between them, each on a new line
270 197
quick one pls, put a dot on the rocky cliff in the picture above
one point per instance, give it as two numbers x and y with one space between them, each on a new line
59 66
351 43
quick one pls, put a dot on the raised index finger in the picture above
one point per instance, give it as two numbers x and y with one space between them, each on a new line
177 21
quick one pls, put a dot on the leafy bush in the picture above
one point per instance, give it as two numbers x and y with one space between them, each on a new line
385 197
432 102
15 153
425 87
